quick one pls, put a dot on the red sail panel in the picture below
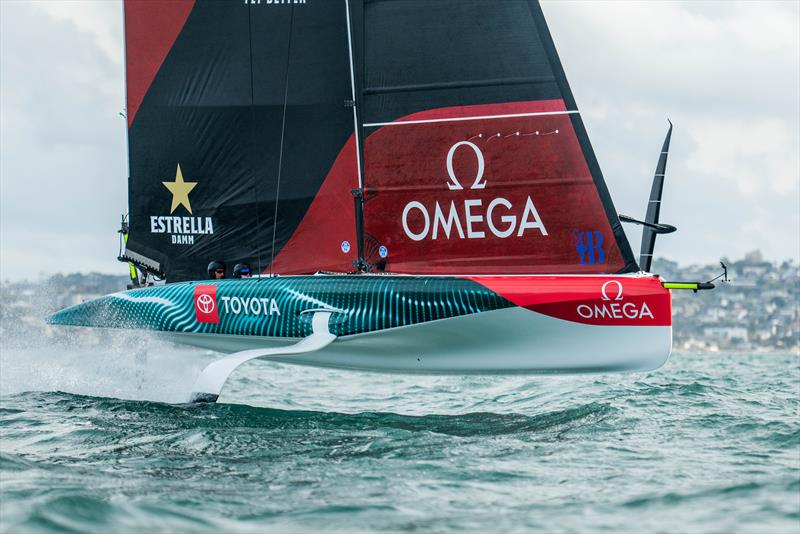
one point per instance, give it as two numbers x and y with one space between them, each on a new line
325 239
486 189
151 28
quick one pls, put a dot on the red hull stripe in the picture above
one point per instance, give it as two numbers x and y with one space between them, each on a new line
595 300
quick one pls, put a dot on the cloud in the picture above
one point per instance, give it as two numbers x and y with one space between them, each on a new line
100 19
727 74
63 165
753 156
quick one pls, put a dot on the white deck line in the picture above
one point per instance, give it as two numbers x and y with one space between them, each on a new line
475 118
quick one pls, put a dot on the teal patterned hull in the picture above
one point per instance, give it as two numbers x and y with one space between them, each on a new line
484 325
274 307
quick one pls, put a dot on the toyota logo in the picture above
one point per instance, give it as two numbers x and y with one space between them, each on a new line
604 290
205 303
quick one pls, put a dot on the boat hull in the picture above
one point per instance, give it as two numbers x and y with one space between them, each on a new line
427 325
509 341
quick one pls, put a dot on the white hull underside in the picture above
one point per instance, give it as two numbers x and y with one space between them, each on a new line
507 341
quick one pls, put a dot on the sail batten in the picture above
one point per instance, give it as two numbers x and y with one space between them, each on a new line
470 118
459 83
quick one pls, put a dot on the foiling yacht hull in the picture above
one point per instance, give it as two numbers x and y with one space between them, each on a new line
410 324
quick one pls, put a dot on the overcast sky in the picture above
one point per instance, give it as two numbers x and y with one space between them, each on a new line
726 73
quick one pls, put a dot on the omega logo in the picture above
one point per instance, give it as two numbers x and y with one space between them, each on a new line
472 218
604 290
616 309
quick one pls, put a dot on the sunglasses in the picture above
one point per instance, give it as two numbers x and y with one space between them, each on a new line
220 271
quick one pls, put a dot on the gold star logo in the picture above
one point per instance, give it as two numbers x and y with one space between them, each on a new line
180 191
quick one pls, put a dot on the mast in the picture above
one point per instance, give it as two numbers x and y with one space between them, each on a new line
360 264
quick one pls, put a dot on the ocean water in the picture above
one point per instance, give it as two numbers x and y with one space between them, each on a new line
94 437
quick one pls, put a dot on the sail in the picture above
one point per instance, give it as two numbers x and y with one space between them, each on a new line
253 125
476 159
241 135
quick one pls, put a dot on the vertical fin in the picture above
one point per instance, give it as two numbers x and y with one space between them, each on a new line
654 205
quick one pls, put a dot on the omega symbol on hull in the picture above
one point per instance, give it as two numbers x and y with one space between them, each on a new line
613 305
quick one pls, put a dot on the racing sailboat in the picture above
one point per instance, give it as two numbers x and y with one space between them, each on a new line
411 178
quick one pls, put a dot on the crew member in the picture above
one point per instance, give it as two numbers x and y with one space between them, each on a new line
216 270
242 270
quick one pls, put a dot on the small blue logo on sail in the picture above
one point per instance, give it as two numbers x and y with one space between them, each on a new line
383 251
590 247
345 246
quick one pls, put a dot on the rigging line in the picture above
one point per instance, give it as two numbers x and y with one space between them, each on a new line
353 94
253 137
283 129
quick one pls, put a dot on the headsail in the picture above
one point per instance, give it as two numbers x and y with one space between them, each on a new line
476 158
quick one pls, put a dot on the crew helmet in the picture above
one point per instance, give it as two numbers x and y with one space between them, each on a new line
241 269
215 266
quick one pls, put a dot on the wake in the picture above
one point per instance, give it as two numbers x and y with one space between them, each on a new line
132 365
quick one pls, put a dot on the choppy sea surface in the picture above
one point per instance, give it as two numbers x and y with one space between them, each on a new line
97 438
